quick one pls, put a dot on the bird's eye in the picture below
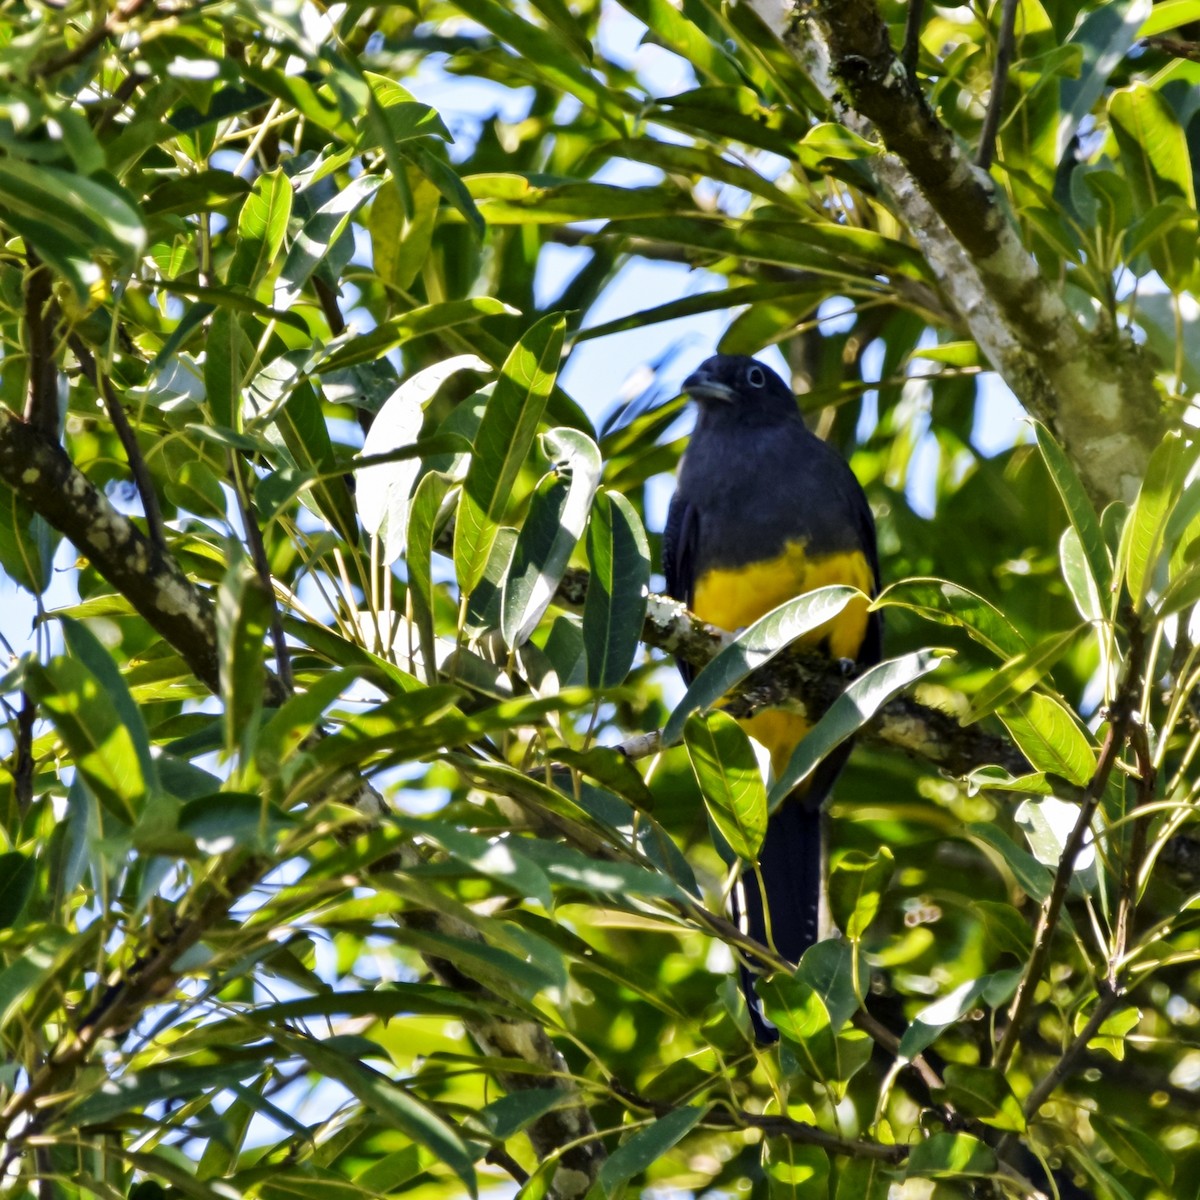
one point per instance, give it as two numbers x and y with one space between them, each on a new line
756 377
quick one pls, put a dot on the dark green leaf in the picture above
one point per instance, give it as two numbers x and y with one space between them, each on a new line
243 616
730 780
615 605
757 644
647 1146
850 712
558 512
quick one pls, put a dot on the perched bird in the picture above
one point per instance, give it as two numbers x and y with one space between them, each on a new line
764 511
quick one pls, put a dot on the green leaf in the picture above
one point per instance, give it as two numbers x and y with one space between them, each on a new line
828 139
134 1090
1106 35
558 513
511 416
1135 1149
856 886
70 219
947 603
353 347
27 544
261 228
1154 157
849 713
1048 735
422 529
383 492
730 780
506 432
550 57
399 240
847 252
755 645
951 1156
498 542
812 1032
510 199
984 1092
84 645
223 369
197 192
646 1147
614 608
1113 1030
243 616
506 1117
928 1024
1170 14
864 1179
1047 823
1078 577
794 1171
301 424
103 747
1142 537
17 875
499 859
1080 511
1020 674
320 234
391 1104
298 717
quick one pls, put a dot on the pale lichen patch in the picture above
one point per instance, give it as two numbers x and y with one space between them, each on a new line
30 475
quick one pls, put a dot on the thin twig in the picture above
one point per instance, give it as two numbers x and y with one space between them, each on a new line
1110 997
800 1132
1120 718
499 1157
143 480
883 1036
41 316
1175 47
23 759
1004 52
92 40
911 53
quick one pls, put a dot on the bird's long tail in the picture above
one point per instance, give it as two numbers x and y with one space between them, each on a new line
790 877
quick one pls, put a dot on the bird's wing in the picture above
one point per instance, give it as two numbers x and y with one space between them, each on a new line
679 558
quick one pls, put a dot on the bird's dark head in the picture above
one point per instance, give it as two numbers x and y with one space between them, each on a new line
736 389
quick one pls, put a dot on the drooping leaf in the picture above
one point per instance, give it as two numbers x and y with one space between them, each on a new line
646 1146
615 605
730 780
558 513
849 712
383 492
506 432
757 644
243 615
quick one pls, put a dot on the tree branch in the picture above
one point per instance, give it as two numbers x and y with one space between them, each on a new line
1096 391
40 472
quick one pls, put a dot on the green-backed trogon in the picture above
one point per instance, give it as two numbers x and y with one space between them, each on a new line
764 511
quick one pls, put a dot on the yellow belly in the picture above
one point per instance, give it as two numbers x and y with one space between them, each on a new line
734 598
